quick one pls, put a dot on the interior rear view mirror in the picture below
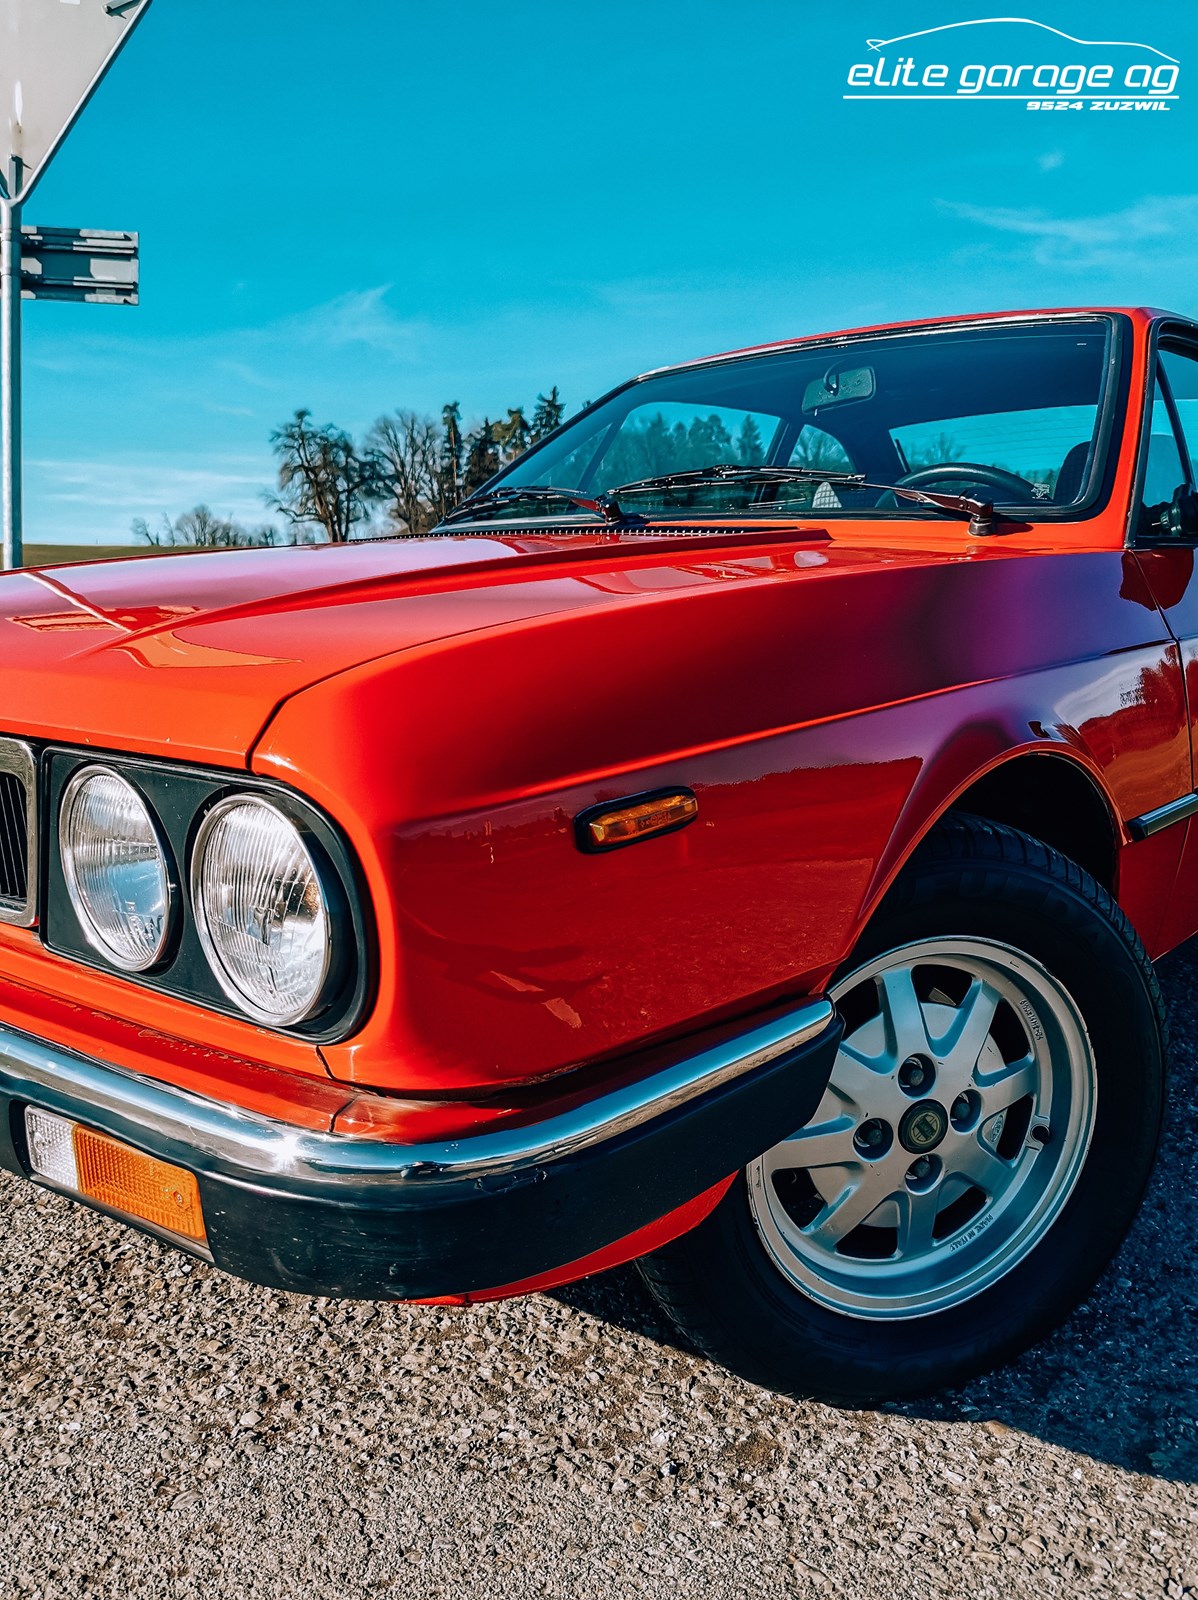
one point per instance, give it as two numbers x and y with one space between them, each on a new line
835 388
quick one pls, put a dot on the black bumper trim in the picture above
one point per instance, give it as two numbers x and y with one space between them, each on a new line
337 1215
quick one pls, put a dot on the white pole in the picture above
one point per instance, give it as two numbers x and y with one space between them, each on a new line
10 371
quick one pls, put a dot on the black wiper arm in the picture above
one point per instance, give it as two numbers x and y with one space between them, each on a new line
733 472
980 512
603 506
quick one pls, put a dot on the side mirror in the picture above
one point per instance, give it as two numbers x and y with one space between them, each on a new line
1173 521
1179 518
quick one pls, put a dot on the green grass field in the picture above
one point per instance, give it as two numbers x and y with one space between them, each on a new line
44 555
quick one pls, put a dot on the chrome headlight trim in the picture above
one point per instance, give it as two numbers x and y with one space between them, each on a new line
84 914
220 969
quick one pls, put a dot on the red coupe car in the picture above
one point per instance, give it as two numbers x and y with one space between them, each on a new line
736 839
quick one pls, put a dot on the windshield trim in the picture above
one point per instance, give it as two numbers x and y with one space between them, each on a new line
1099 481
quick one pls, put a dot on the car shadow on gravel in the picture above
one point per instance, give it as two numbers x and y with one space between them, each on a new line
1119 1382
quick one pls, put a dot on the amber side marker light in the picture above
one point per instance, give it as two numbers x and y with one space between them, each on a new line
638 816
114 1174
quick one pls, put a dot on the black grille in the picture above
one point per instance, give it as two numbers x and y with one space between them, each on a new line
18 831
14 840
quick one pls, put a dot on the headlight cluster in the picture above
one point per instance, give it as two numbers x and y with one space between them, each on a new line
115 868
258 904
260 910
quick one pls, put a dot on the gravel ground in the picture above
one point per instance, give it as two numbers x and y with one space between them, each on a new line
167 1431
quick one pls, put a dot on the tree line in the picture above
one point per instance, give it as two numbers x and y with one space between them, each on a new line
410 470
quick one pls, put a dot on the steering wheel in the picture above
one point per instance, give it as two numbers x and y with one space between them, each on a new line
1009 487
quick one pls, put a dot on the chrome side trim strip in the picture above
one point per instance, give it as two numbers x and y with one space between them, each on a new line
246 1144
1163 817
17 758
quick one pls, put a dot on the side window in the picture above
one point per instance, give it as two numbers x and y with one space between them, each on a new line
1181 374
1164 470
815 448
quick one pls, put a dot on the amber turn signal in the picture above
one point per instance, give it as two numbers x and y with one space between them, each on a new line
605 827
114 1174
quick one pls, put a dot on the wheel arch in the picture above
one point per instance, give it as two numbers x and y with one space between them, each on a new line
1055 798
1052 793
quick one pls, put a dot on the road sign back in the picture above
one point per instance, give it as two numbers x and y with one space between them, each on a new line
53 53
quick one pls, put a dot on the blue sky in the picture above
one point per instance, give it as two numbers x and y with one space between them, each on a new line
391 204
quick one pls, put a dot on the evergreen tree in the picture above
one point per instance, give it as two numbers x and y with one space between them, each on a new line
450 470
750 451
514 434
547 416
708 442
482 456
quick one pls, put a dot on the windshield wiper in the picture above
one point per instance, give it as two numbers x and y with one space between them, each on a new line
732 472
603 506
607 506
981 513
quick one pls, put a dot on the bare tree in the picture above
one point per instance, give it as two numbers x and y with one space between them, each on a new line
201 529
934 452
406 450
417 467
323 479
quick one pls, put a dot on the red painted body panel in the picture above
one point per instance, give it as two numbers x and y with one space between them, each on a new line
506 953
826 691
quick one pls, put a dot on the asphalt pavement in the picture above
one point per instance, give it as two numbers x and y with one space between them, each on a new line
167 1431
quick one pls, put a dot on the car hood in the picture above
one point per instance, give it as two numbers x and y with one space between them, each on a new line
190 655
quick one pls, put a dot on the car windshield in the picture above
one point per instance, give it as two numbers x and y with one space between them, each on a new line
1007 413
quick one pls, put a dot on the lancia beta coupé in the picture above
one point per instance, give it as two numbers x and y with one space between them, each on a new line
737 839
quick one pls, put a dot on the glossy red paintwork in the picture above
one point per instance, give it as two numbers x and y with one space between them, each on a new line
826 690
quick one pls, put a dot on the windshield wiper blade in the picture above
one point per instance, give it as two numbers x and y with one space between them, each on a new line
981 513
603 506
733 472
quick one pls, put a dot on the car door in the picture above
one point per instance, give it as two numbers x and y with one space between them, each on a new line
1165 535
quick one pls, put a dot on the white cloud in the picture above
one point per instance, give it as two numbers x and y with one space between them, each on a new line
94 500
1102 239
361 317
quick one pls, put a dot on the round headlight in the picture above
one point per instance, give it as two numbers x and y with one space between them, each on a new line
115 868
261 911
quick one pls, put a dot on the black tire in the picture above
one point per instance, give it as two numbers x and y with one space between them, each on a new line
726 1293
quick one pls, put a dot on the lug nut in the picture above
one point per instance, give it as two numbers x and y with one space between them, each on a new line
873 1137
964 1110
916 1075
923 1172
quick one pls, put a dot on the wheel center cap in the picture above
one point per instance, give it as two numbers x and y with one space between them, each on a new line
923 1127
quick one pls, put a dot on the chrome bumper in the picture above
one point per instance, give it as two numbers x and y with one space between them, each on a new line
327 1212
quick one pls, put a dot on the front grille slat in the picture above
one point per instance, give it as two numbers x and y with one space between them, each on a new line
14 839
18 832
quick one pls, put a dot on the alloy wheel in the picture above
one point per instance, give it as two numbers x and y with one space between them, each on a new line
953 1131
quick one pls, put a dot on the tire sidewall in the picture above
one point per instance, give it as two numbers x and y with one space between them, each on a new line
1078 940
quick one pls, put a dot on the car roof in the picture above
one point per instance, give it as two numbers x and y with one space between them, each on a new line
1140 314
